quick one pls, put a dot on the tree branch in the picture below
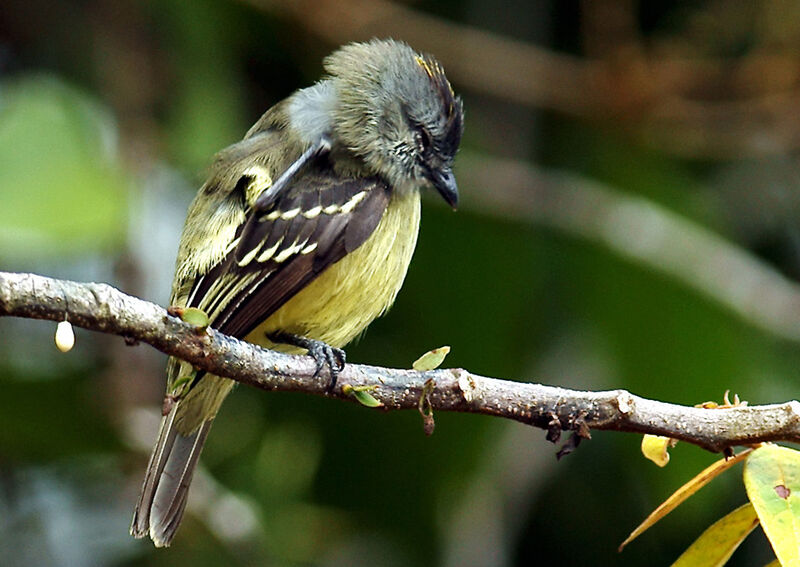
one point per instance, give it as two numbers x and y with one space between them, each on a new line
748 105
100 307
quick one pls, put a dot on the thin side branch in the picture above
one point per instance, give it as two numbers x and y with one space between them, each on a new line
100 307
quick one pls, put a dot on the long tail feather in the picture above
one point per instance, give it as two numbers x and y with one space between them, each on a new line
162 501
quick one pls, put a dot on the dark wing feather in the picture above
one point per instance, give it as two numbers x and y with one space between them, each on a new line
272 282
370 213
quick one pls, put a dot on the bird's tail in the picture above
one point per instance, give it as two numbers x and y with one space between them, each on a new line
166 483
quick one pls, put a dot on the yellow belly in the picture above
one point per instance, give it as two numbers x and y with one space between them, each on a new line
335 308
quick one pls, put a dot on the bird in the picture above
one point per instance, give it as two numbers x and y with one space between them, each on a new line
302 235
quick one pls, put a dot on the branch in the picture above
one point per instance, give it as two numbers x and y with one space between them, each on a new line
748 105
100 307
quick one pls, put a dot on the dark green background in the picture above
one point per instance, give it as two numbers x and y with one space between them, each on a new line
109 113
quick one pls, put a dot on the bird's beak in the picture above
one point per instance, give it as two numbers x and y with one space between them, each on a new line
445 183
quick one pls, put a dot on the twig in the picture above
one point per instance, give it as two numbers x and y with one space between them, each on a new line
103 308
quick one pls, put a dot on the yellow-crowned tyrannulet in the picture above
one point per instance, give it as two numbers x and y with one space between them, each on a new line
303 233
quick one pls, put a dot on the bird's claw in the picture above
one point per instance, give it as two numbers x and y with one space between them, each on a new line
326 355
322 353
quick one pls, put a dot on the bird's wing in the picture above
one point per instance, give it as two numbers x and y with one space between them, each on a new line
277 252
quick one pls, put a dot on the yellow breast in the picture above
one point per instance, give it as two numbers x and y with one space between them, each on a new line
338 305
334 308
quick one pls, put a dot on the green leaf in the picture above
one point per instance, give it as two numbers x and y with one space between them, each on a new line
432 359
772 480
366 399
716 545
362 395
196 317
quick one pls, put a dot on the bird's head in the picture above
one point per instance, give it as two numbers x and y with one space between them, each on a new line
397 111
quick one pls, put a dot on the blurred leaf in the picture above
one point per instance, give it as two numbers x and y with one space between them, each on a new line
683 493
59 189
772 480
716 545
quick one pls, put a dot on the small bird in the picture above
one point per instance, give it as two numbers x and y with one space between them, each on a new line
302 235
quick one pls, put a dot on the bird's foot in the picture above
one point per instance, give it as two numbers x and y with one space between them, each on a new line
322 353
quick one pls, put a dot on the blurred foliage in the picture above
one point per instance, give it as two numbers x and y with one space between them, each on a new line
108 110
61 189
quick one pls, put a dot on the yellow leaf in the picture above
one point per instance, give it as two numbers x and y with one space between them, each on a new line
654 447
772 480
716 545
431 359
683 493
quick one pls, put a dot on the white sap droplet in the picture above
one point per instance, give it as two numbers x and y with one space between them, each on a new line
65 336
